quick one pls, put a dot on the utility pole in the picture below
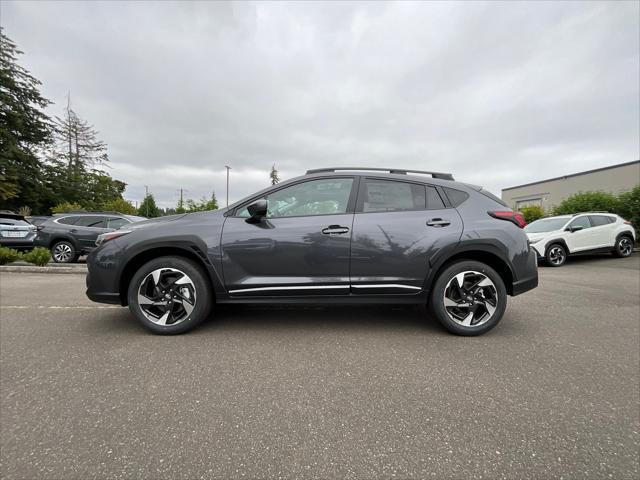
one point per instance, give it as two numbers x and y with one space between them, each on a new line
182 191
228 168
146 195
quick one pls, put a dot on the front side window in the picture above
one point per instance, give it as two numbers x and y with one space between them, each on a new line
91 221
117 222
581 222
391 196
328 196
599 220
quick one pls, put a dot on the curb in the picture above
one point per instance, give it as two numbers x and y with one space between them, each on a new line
33 269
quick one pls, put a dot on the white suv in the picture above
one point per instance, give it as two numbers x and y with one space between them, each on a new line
554 238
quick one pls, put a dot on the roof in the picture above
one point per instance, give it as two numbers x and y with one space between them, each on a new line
586 172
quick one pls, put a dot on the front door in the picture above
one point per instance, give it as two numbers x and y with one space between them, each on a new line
580 239
397 228
300 248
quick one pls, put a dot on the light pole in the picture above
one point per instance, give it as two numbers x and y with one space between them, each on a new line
228 168
146 199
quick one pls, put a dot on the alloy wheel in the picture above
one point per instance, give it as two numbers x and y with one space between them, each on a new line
625 246
62 253
470 298
167 296
557 255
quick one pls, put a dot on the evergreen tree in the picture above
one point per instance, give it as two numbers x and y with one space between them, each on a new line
24 130
274 175
148 207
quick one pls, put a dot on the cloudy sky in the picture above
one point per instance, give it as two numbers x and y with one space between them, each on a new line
497 93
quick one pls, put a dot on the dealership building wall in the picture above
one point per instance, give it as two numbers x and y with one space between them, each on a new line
549 193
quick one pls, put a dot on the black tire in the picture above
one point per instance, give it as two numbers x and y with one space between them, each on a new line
437 302
64 251
201 293
623 247
556 255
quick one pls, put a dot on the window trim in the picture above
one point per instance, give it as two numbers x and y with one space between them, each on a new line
358 208
350 202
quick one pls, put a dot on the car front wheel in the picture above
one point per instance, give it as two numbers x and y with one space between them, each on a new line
556 255
623 247
170 295
468 298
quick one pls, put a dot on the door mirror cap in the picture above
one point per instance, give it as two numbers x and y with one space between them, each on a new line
574 229
257 210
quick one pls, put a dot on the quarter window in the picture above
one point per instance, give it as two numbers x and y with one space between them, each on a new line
329 196
391 196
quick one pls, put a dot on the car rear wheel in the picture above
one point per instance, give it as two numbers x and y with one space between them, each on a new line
170 295
623 247
468 298
64 252
556 255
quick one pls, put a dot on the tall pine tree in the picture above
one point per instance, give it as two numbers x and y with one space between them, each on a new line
24 131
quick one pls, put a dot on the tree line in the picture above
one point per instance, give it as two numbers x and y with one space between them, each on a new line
54 165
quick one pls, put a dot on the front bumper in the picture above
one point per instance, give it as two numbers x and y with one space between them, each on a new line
102 277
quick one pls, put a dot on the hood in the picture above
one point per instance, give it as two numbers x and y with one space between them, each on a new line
536 237
153 221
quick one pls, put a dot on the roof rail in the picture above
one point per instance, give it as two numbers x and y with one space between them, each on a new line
398 171
592 211
102 212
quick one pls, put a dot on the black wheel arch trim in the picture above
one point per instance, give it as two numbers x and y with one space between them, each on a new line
557 241
626 233
445 255
189 246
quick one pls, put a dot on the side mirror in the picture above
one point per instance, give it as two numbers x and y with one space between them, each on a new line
574 229
257 210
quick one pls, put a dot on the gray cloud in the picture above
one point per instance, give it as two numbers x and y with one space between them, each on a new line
497 93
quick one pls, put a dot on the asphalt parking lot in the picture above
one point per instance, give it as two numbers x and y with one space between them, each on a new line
331 392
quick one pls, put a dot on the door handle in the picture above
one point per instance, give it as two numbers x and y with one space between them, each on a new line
73 230
334 230
438 222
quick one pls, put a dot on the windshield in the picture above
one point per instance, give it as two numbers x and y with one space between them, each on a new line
545 225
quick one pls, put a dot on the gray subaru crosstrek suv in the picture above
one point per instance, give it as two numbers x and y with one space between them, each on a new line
332 236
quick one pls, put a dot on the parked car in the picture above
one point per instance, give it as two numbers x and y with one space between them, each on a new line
341 236
15 231
555 238
38 219
69 235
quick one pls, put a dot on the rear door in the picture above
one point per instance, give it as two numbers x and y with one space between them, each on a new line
602 231
398 226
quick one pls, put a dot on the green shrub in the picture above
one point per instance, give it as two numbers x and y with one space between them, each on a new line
8 255
39 256
532 213
588 202
65 207
629 207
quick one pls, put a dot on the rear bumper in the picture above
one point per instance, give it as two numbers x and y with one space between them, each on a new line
17 243
528 278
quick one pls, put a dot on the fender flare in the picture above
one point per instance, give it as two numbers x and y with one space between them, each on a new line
558 240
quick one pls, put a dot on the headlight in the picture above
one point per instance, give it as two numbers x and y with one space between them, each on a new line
105 237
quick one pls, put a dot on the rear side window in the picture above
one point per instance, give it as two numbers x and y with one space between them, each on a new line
91 221
391 196
68 220
598 220
456 197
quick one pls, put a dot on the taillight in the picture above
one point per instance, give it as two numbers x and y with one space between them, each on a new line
628 222
514 217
